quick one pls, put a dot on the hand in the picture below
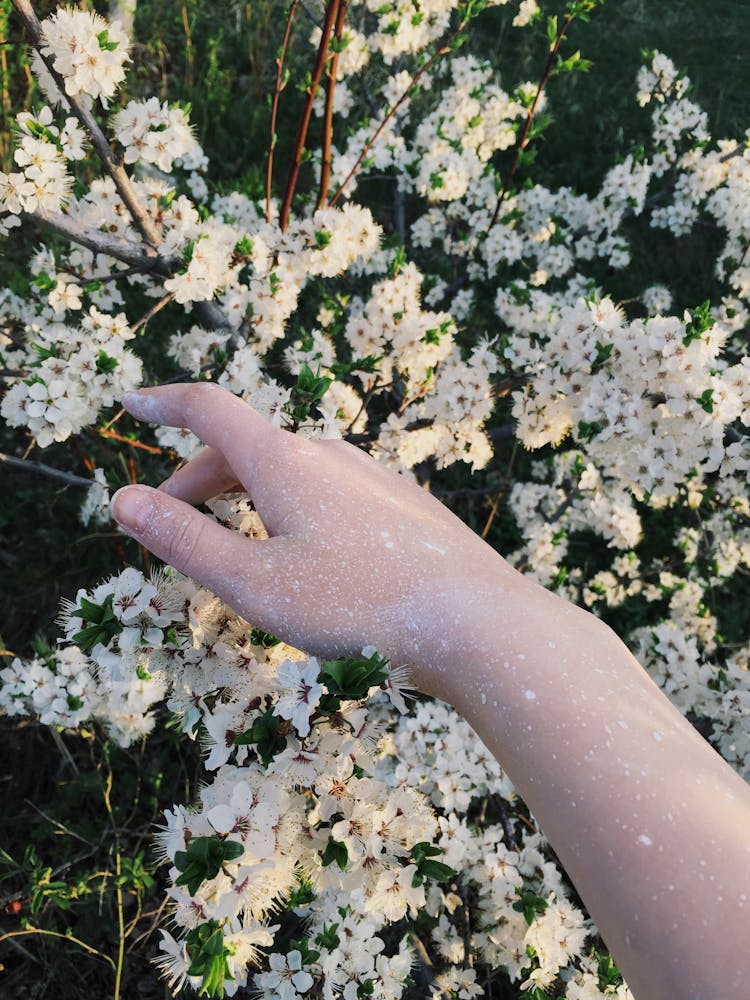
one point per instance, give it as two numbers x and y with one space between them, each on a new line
358 555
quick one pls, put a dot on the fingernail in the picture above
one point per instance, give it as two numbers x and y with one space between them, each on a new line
132 507
167 487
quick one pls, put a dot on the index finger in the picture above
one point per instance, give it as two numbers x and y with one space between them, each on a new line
218 417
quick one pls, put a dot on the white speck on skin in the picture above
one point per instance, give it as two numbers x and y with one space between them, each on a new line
622 724
646 841
658 735
484 698
530 695
389 545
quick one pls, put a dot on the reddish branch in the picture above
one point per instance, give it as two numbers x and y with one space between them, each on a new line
524 140
333 65
278 87
299 146
444 49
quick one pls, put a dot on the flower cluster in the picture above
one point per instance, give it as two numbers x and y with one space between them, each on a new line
73 372
88 52
153 132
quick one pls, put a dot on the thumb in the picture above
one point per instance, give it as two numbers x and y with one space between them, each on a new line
231 566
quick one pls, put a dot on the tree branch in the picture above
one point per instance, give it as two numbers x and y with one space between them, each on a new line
143 221
524 140
441 51
113 246
148 257
47 470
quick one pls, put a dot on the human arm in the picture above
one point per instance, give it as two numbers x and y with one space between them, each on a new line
649 822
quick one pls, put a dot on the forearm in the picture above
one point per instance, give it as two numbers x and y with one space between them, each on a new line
650 823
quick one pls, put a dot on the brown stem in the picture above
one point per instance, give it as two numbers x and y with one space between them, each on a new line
157 307
143 221
443 50
333 65
278 87
150 448
320 61
524 140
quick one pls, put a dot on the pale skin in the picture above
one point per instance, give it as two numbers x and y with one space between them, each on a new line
650 823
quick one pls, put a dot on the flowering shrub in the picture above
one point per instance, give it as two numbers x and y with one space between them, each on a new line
347 840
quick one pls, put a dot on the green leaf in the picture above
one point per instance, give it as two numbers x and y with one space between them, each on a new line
100 623
353 678
264 734
367 364
308 955
203 859
104 43
208 953
700 321
706 400
307 393
105 363
335 851
328 938
43 282
587 430
529 904
603 354
244 247
258 637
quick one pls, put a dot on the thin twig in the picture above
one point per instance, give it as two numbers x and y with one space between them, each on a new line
299 146
524 140
151 449
332 70
56 934
441 51
278 87
157 307
310 14
103 279
61 826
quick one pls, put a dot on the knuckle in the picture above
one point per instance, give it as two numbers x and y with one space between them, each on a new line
182 544
199 393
